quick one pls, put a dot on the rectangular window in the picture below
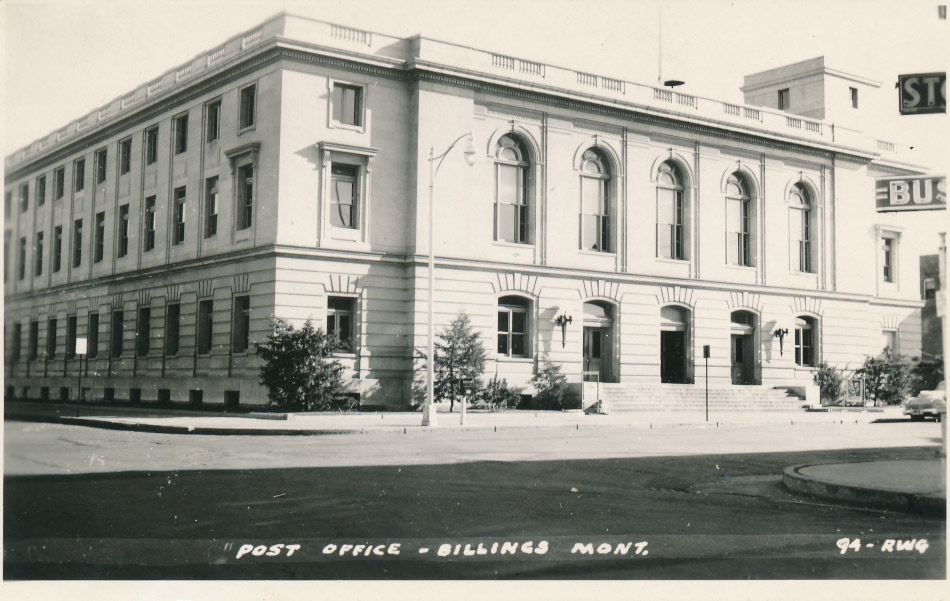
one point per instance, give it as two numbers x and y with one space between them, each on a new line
213 131
38 255
100 237
738 226
888 259
179 213
21 260
118 317
799 224
344 196
59 183
125 156
79 174
511 205
241 324
143 331
77 243
57 248
512 331
248 106
17 341
92 348
51 338
783 100
340 319
172 325
34 345
102 155
181 134
211 206
347 104
854 97
804 342
205 325
149 223
24 198
70 336
595 216
670 219
123 231
151 145
245 196
41 191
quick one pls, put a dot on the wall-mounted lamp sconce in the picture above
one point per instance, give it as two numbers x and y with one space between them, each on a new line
780 333
562 320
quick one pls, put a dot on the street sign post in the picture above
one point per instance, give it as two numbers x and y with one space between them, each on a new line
911 193
923 93
80 350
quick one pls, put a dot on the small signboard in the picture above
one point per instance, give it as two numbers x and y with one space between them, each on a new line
80 346
911 193
854 391
923 93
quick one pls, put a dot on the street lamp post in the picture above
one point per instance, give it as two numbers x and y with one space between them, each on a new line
428 411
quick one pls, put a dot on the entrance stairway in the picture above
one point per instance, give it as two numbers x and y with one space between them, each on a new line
655 398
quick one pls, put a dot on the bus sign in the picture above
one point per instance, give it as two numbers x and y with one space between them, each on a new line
911 193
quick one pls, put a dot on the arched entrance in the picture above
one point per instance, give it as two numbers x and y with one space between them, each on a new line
742 346
598 341
674 335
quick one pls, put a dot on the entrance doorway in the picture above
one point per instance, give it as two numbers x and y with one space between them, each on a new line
598 341
743 347
674 356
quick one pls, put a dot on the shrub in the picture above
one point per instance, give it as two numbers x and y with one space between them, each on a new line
299 370
499 396
925 375
886 378
551 386
831 383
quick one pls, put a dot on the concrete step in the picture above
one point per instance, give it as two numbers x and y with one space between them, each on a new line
679 397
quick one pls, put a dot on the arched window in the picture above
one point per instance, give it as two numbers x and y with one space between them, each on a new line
595 202
799 229
739 222
806 329
511 191
513 326
670 213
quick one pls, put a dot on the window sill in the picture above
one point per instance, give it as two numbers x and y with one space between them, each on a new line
597 253
512 244
356 128
673 261
740 267
247 129
507 359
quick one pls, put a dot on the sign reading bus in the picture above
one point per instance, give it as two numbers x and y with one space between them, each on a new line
923 93
911 193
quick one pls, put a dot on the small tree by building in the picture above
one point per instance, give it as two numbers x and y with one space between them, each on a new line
299 370
551 386
830 382
459 360
886 378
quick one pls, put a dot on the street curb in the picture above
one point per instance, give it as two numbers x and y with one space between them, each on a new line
159 429
906 502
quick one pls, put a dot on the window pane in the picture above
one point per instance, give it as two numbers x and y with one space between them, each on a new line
592 200
666 206
519 322
506 222
342 215
518 345
589 231
507 184
503 344
503 321
349 106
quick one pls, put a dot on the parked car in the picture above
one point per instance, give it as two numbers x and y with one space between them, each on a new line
928 403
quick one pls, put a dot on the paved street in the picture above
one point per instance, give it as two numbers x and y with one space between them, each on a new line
666 503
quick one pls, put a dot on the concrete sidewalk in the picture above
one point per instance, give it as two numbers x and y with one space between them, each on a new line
909 486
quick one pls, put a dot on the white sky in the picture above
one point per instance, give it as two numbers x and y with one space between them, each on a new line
65 58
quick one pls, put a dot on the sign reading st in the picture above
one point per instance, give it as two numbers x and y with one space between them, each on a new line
923 93
911 193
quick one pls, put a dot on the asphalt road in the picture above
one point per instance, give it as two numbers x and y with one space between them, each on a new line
443 507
